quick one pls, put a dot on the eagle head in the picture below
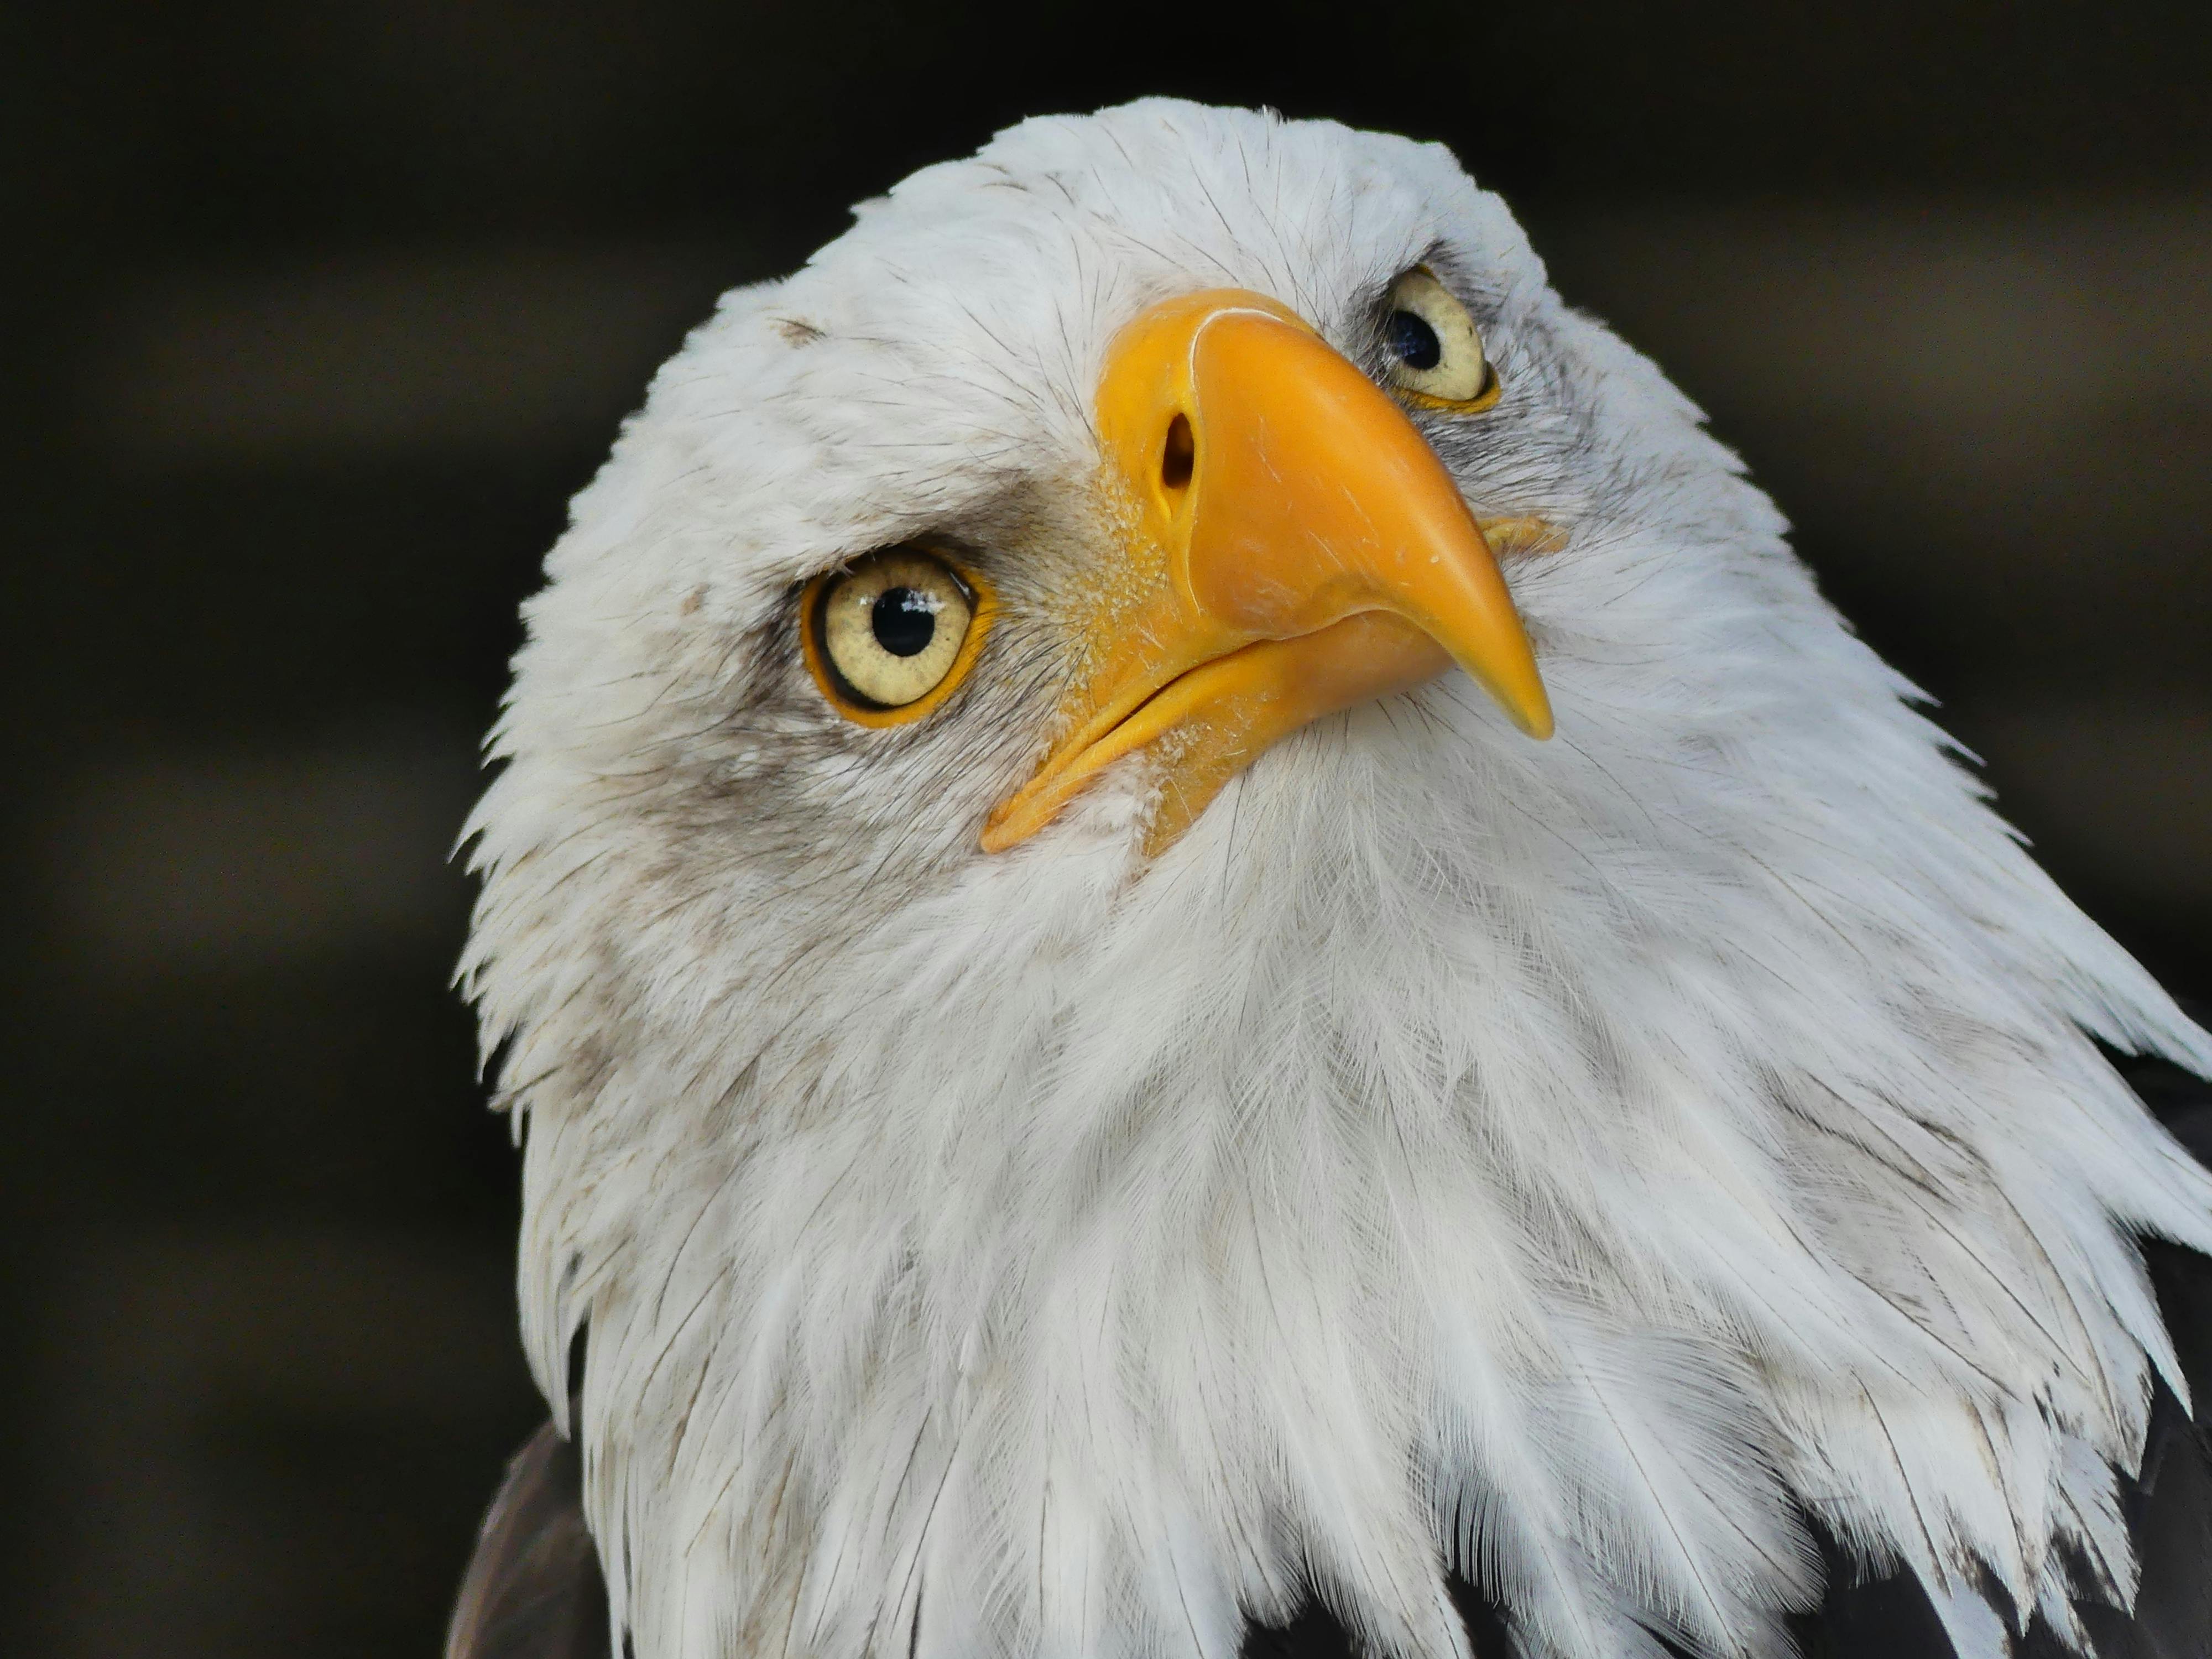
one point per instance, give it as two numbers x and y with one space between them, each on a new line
1190 907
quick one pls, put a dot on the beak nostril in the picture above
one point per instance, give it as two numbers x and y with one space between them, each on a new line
1179 455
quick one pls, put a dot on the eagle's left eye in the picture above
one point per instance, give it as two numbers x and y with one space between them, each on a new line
1433 349
889 637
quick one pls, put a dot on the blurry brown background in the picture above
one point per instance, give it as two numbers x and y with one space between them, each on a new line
318 313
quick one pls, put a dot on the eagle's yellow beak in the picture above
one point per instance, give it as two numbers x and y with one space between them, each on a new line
1291 547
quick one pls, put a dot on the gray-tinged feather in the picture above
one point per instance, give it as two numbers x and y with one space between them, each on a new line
2173 1610
2170 1508
533 1589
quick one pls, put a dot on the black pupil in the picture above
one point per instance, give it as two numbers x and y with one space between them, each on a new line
1412 342
904 620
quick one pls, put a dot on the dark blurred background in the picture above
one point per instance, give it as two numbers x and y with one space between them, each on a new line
318 313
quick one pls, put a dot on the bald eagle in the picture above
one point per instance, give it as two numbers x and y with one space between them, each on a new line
1204 947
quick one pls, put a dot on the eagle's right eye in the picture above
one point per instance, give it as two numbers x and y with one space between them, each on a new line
1434 354
889 637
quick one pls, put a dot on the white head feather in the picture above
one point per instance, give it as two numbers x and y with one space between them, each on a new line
1564 1159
